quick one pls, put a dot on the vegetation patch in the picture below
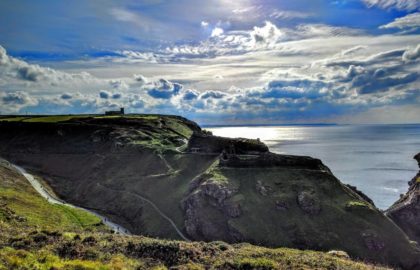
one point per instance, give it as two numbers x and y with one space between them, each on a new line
352 205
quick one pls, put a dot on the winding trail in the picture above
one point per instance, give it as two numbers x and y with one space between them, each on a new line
154 207
51 199
184 146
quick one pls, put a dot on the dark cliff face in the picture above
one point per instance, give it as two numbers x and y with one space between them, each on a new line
406 211
233 190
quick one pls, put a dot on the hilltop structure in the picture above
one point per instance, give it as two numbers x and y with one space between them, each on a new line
120 112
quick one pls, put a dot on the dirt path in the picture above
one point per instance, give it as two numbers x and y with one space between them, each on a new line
178 231
51 199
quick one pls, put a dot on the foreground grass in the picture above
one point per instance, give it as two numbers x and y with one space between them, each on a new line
54 250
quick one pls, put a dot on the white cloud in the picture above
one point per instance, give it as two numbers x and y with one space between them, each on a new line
134 56
409 21
269 34
221 43
322 30
289 14
14 69
217 31
394 4
136 18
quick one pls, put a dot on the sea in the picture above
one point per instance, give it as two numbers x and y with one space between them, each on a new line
377 159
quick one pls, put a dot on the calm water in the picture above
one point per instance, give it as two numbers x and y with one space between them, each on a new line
378 159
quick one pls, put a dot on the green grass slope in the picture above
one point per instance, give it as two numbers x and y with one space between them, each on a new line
39 235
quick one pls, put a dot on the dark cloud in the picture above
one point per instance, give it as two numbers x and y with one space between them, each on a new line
190 95
16 98
164 89
29 73
66 96
141 79
373 85
412 54
379 58
104 94
212 94
116 96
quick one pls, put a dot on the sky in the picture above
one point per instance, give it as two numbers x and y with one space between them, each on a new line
216 61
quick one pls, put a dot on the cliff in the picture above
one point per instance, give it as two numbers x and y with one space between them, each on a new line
406 211
156 176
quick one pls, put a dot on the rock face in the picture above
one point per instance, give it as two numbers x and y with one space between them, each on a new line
134 171
406 211
309 202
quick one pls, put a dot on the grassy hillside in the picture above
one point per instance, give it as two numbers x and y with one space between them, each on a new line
39 235
137 171
20 204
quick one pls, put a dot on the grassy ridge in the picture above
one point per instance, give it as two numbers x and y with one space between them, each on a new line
159 132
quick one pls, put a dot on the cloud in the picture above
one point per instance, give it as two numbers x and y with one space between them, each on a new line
412 54
226 43
116 96
134 56
322 30
289 14
136 18
140 79
295 89
394 4
212 94
66 96
13 101
164 89
374 85
118 84
13 68
16 98
411 21
104 94
217 31
190 95
269 34
107 95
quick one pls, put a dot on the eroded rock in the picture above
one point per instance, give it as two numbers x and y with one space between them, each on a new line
281 205
264 190
198 224
309 202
